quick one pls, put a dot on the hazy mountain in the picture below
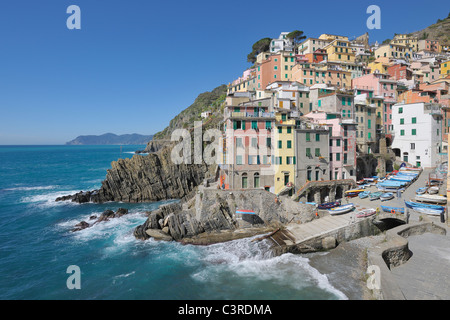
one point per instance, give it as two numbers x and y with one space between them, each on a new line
111 138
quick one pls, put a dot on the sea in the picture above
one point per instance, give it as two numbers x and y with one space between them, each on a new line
38 248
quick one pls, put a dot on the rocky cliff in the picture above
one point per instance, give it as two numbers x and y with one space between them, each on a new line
210 216
146 178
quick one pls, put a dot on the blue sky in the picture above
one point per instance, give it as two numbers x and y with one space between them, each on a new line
136 64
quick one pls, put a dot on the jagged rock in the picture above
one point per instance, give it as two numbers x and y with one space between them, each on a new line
158 235
80 226
153 177
211 217
106 215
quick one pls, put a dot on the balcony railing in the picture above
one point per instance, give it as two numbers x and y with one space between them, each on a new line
235 114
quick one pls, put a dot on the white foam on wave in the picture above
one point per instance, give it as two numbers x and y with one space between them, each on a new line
48 199
245 259
31 188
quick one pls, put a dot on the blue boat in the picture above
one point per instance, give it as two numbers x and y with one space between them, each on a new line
393 209
421 190
412 205
329 205
363 194
386 196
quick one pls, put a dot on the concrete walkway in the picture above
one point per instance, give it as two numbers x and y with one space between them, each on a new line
426 276
316 228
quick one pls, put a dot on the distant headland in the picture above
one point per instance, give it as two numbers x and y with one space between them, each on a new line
111 139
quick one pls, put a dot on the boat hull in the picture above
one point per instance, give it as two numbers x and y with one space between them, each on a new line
393 209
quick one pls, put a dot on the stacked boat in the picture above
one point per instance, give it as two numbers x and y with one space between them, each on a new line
400 180
430 209
364 194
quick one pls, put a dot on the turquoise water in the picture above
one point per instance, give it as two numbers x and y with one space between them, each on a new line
37 245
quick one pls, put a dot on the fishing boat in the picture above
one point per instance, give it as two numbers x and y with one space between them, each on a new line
421 190
341 209
410 169
393 209
329 205
386 196
433 198
363 194
375 195
430 211
433 190
412 205
353 192
366 213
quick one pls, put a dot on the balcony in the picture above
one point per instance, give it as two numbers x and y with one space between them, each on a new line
234 114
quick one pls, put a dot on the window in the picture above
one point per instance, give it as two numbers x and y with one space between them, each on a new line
269 142
369 124
238 159
254 125
338 142
289 144
413 132
338 156
413 146
268 125
308 152
402 132
400 110
280 129
317 136
284 117
317 152
254 142
402 121
308 136
256 180
289 129
280 144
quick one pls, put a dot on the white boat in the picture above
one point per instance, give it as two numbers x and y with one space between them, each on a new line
366 213
433 190
431 198
429 211
341 209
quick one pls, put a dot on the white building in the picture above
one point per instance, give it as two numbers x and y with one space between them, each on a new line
417 133
281 44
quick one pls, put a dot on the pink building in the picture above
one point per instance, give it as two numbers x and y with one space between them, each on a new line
342 144
382 91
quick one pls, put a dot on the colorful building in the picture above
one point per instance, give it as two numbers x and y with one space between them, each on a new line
445 68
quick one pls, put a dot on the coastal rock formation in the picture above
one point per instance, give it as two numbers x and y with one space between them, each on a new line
105 216
152 177
210 216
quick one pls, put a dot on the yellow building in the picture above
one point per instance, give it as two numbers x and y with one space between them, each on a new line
284 153
340 50
379 67
445 68
394 51
405 40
